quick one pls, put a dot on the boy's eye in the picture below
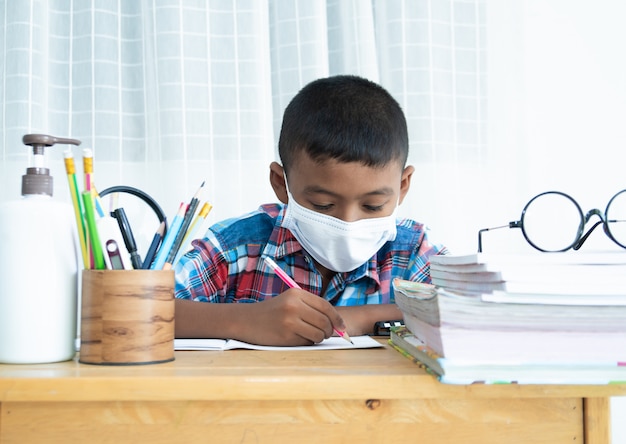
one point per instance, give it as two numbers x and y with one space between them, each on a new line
317 207
373 208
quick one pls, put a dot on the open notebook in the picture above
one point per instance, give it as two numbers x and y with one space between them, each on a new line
332 343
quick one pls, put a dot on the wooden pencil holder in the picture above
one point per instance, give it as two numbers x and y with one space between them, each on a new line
127 317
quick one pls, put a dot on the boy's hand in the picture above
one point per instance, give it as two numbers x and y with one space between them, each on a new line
295 317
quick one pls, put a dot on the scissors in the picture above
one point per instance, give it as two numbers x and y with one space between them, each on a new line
138 215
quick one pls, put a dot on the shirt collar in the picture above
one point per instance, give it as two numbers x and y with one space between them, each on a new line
283 243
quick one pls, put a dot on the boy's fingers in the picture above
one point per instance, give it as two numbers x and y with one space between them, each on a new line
325 308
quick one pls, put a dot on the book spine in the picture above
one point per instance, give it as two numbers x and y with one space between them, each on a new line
415 360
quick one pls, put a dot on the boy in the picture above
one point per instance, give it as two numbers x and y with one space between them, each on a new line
343 147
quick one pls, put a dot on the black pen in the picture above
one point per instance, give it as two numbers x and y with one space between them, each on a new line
127 235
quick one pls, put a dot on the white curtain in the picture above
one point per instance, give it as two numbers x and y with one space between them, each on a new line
169 93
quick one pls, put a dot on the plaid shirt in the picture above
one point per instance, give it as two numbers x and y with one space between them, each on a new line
228 265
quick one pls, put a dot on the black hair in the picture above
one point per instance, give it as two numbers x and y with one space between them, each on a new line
347 118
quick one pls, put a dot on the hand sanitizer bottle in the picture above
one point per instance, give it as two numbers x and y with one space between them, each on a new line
38 268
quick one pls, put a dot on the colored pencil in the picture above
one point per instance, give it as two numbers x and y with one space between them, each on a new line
189 214
94 239
293 284
70 168
202 214
89 182
168 241
87 167
192 232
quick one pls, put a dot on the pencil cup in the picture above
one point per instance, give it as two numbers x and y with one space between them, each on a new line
127 317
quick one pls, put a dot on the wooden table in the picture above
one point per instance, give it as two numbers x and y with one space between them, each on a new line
347 396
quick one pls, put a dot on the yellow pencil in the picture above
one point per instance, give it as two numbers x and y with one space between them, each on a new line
202 214
192 231
89 182
70 168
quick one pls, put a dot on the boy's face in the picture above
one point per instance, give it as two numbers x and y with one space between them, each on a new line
347 191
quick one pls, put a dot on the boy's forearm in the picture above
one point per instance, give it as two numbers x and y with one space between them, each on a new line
203 320
360 320
212 320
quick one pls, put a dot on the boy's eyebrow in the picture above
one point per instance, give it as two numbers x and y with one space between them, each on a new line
384 191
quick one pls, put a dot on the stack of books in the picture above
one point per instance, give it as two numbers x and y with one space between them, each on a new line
546 273
542 330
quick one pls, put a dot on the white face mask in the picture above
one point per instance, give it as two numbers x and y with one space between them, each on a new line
337 245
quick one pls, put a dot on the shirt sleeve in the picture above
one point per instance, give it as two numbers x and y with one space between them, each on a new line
201 274
419 265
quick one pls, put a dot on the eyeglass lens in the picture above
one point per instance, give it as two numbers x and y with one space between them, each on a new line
616 218
553 221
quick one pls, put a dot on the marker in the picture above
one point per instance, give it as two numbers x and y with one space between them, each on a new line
127 235
293 284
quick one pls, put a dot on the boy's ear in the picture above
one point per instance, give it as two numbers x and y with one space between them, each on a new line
277 180
405 182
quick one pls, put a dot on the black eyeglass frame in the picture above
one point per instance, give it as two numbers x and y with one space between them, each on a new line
581 236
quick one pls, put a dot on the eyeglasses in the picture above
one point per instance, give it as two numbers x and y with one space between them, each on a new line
553 222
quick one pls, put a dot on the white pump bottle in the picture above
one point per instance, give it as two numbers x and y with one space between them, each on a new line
38 268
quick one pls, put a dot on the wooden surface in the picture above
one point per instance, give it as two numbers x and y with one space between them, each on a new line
242 396
127 316
597 419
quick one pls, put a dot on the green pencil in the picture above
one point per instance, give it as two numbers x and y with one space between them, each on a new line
94 239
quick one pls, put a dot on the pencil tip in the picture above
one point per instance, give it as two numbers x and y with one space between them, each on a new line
346 336
197 195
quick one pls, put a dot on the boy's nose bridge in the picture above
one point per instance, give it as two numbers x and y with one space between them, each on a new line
349 213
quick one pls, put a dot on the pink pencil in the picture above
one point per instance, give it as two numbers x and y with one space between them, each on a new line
292 284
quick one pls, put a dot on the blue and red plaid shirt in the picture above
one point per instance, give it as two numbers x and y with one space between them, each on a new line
228 265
